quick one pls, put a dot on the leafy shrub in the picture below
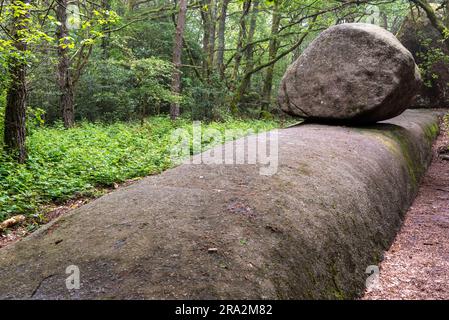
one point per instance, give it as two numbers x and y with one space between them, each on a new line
206 101
114 90
429 59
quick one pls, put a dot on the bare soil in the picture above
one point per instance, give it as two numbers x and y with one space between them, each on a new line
417 265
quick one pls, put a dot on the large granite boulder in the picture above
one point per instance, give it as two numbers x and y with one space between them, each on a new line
292 235
354 72
419 36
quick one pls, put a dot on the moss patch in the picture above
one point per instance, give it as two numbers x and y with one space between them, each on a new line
397 141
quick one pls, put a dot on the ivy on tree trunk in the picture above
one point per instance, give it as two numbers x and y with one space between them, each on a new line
15 111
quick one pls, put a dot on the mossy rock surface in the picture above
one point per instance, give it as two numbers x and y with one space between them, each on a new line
307 232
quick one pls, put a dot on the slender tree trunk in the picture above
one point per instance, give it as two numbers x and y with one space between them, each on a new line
131 5
395 25
15 112
249 53
209 17
221 38
106 39
66 94
242 36
205 17
177 55
238 95
245 83
446 18
212 35
272 52
384 20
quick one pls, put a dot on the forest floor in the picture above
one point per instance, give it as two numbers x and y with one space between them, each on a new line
416 267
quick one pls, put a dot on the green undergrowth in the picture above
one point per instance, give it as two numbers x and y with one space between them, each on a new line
65 164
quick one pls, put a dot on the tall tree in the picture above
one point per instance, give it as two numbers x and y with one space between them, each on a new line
177 56
106 4
272 52
15 112
246 6
249 48
64 76
240 91
95 25
437 22
205 17
212 35
221 46
208 16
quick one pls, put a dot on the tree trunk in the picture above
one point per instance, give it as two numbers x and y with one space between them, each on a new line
245 83
105 41
384 20
249 52
14 134
238 95
221 38
272 52
242 36
208 16
205 17
212 35
66 92
446 7
177 55
436 22
15 112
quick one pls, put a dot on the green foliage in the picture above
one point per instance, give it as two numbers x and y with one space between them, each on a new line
29 31
115 90
206 100
67 163
429 58
34 119
151 78
2 114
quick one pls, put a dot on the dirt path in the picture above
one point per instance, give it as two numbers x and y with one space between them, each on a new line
417 264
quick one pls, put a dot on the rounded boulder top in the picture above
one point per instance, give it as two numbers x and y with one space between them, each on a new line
353 72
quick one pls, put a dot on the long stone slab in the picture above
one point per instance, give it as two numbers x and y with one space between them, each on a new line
307 232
